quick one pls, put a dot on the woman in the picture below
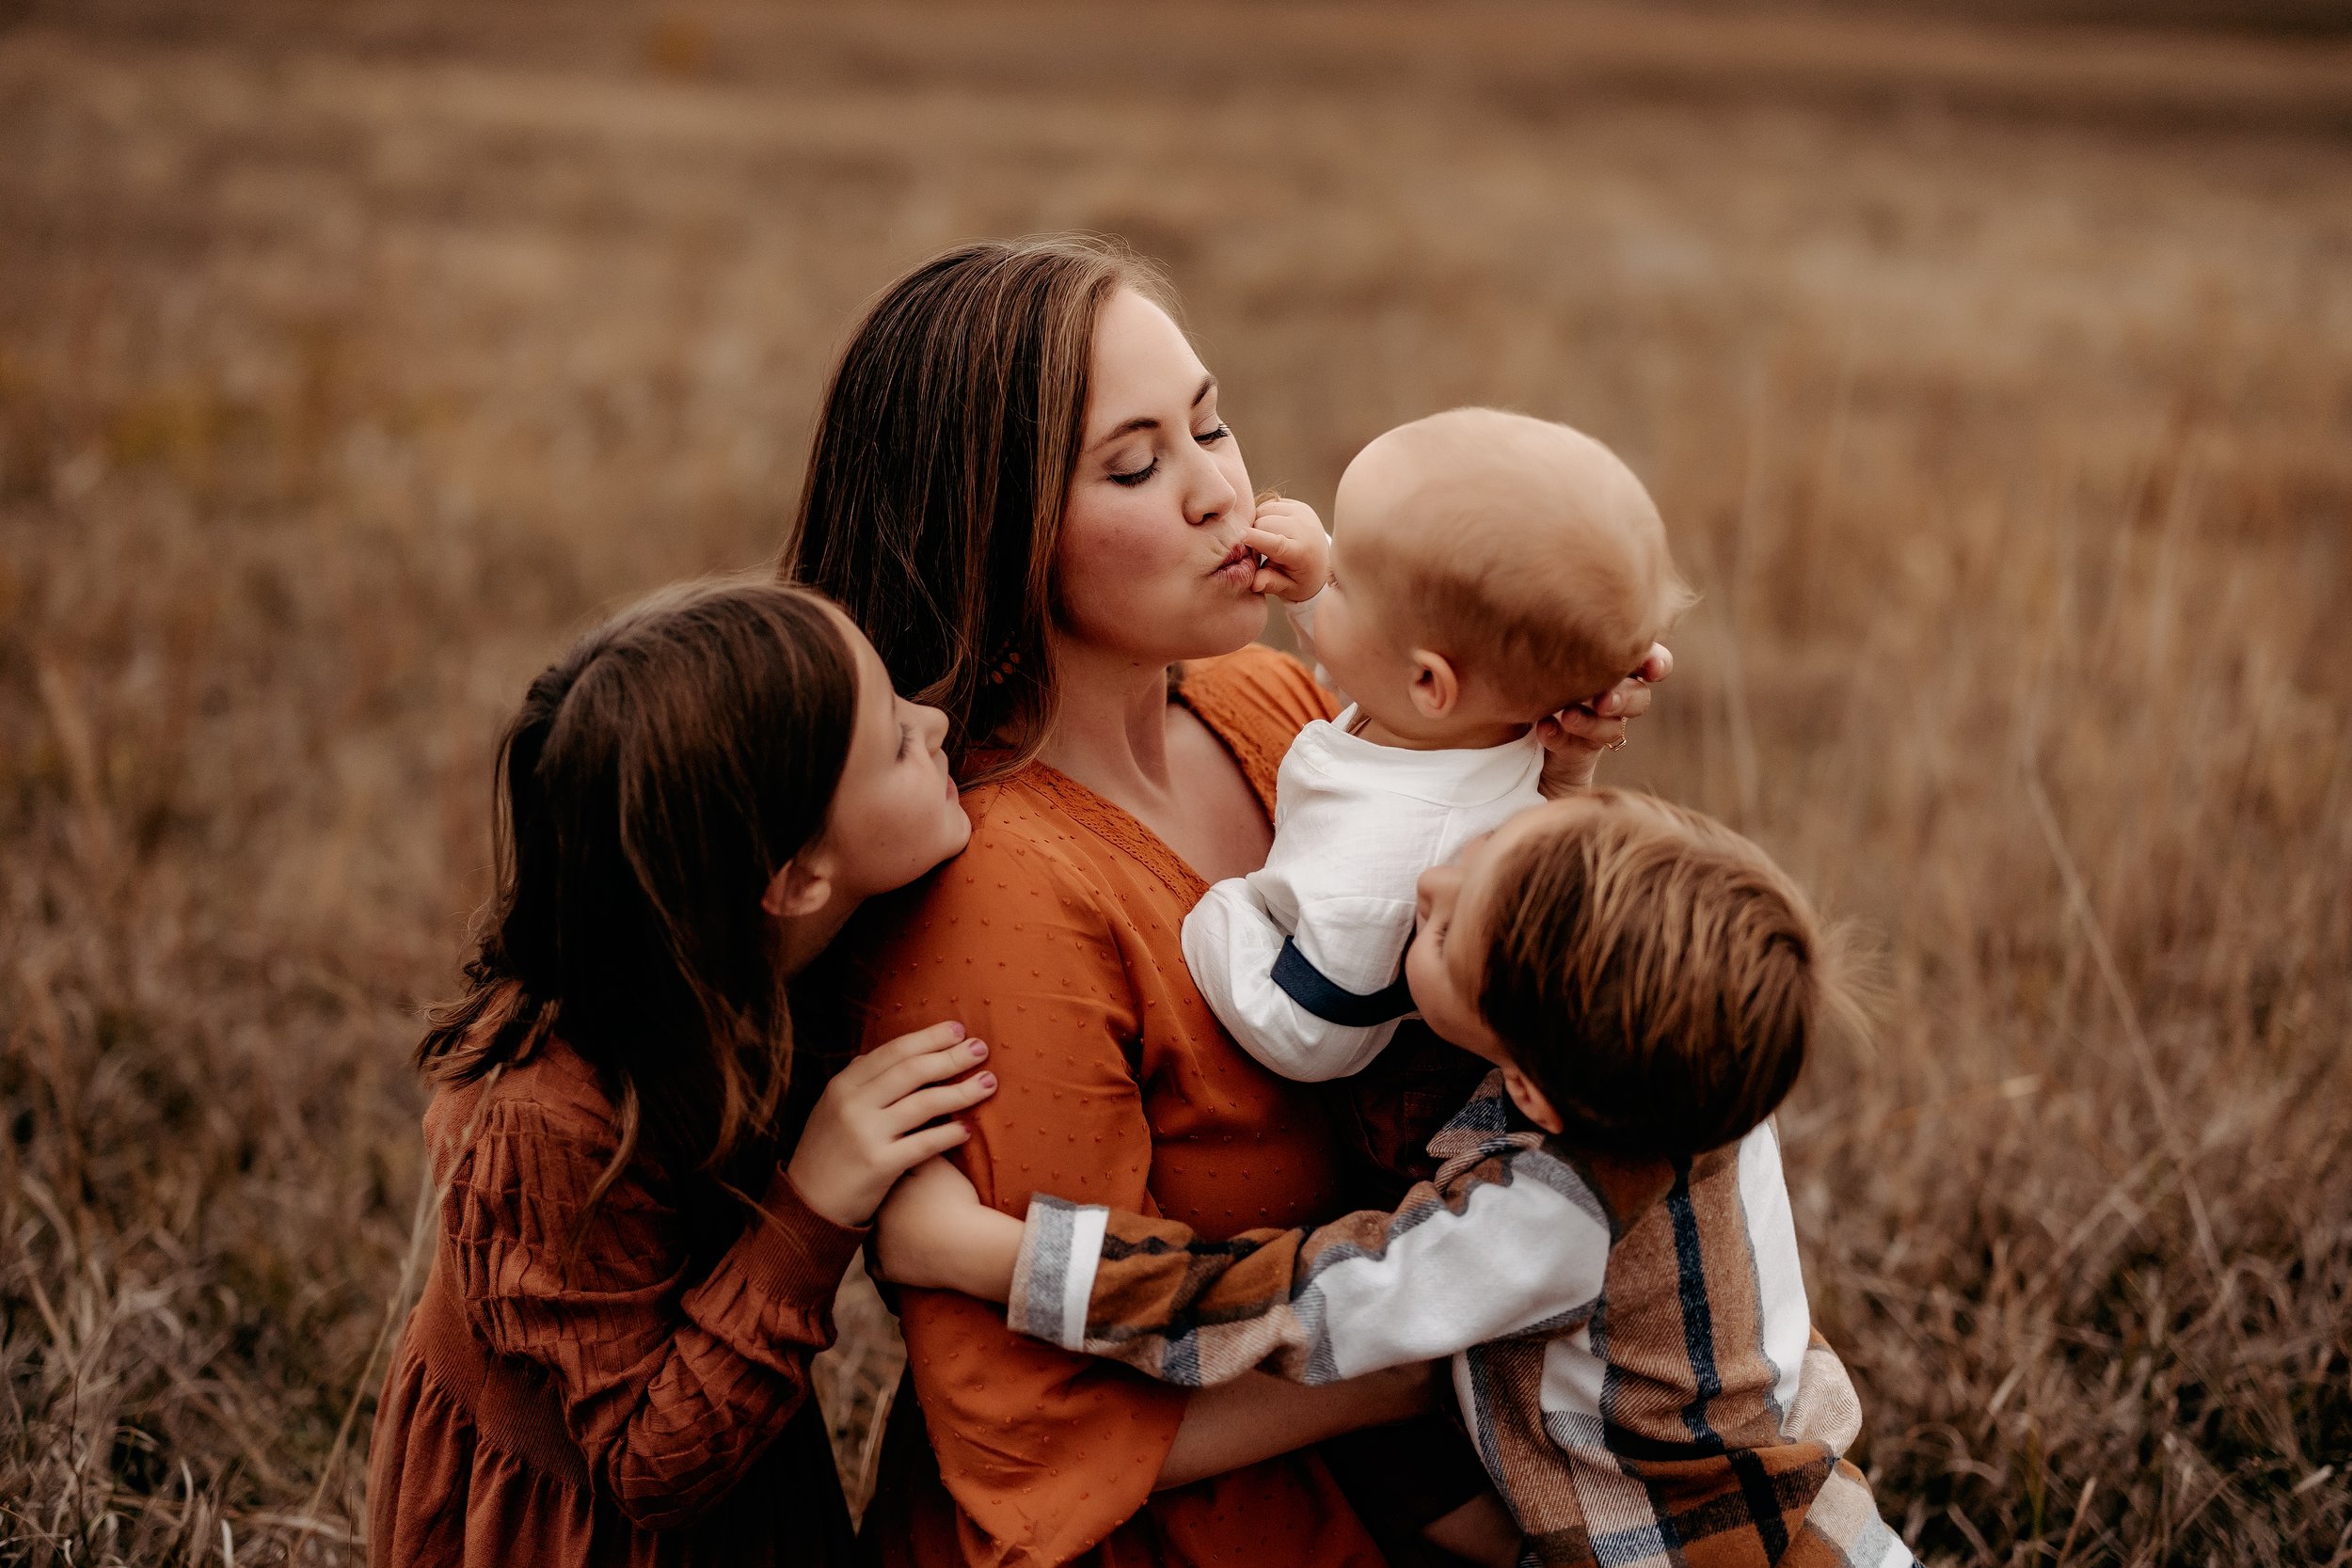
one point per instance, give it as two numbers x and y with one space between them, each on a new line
1021 489
637 1255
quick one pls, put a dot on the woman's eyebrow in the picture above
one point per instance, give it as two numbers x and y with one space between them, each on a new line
1145 421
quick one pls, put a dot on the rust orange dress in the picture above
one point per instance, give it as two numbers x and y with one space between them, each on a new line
650 1404
1055 937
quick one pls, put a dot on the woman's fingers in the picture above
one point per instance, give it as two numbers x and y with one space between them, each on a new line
1630 700
948 1061
1581 726
1656 665
930 1104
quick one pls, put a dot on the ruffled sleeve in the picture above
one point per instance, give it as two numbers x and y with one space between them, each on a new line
671 1387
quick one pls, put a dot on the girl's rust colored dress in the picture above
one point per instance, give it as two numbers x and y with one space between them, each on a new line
649 1403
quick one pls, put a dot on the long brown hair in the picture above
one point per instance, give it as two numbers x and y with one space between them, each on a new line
1657 977
657 777
935 494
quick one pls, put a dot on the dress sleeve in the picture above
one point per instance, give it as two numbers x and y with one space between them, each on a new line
1489 1255
1045 1452
672 1387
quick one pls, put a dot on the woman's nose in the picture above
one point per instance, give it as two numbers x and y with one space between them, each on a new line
1211 496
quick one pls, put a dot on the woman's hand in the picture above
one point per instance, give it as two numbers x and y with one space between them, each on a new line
1574 738
876 1120
935 1232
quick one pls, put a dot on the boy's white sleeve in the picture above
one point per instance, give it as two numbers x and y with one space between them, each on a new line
1316 1004
1448 1270
1452 1270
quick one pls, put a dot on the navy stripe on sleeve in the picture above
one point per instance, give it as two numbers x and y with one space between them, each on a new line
1322 996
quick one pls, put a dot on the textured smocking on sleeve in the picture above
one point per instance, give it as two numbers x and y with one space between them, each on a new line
671 1387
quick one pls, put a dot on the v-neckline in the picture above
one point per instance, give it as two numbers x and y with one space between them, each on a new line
1123 830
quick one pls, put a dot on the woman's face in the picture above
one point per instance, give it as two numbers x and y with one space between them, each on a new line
896 813
1150 564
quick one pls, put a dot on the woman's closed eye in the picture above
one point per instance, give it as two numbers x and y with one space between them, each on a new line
1134 477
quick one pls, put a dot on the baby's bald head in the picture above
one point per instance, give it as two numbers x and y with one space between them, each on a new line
1520 549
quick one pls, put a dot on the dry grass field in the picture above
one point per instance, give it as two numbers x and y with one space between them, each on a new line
1996 379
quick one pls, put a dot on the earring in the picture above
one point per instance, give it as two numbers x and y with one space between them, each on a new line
1005 667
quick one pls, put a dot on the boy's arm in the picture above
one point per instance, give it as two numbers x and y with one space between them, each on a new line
1313 1004
1496 1252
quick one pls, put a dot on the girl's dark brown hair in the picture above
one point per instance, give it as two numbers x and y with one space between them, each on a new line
935 494
1657 975
657 777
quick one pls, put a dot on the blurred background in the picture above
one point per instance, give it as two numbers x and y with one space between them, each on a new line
1990 360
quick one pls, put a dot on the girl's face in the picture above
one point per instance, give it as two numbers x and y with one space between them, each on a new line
1150 564
896 813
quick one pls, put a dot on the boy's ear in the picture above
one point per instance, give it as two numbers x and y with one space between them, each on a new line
1436 688
803 885
1530 1099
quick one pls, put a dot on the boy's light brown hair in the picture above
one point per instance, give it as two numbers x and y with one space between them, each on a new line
1657 977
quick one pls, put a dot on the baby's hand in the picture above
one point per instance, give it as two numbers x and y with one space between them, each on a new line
935 1232
1297 552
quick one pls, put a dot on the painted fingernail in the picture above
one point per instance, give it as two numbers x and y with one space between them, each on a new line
957 1030
987 1079
979 1047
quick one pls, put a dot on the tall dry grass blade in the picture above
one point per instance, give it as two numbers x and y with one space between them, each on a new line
2143 1056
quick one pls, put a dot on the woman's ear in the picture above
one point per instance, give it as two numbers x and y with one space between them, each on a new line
1436 688
1530 1099
802 886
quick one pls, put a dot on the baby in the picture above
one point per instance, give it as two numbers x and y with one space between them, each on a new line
1607 1254
1486 569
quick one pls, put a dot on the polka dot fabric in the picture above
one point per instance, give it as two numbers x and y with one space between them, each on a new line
1055 937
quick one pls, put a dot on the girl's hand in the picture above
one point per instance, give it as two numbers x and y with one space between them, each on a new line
935 1234
1574 738
874 1120
1296 552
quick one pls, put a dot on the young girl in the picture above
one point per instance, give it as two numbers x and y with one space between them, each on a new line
641 1228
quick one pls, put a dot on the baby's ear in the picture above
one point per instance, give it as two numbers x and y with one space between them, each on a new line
1436 687
1532 1103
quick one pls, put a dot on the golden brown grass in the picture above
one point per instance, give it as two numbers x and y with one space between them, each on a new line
1997 387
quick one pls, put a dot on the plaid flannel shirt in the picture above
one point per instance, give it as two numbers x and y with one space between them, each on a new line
1631 1344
